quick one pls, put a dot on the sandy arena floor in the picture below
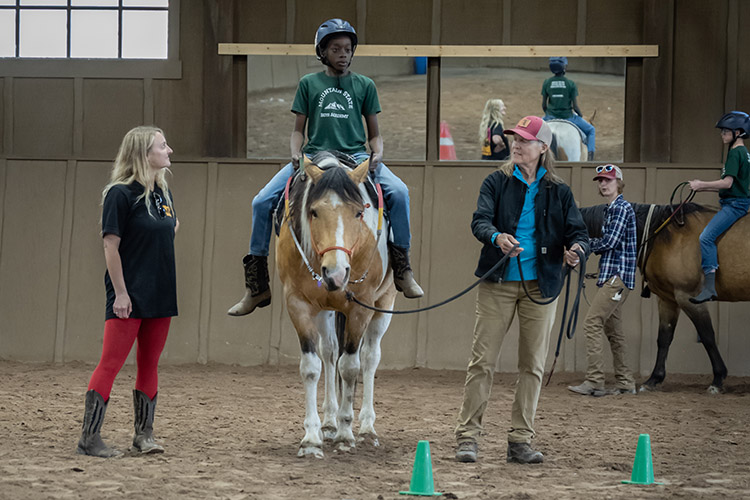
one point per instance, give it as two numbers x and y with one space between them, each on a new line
232 433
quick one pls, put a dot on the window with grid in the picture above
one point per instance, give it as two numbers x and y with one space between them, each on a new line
84 29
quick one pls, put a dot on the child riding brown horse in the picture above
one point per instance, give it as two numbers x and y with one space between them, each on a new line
671 267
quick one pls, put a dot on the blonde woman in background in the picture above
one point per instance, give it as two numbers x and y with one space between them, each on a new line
138 229
491 137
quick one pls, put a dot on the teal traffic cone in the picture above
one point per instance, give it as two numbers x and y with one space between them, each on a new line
421 475
643 466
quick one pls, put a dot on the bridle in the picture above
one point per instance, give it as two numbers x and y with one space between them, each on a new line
315 276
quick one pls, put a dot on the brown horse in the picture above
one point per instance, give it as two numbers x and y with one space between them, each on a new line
330 241
673 273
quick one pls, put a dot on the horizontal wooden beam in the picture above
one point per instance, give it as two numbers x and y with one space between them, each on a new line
281 49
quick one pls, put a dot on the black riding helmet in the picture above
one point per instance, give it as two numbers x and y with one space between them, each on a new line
331 28
735 120
557 64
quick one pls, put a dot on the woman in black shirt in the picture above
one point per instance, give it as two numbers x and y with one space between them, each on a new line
138 228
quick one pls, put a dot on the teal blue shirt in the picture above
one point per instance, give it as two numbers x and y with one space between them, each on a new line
525 231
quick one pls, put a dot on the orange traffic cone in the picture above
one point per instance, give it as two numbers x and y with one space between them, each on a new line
447 150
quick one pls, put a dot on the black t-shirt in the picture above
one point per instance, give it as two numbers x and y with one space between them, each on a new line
146 250
489 147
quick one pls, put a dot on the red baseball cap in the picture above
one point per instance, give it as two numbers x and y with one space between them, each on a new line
608 171
532 128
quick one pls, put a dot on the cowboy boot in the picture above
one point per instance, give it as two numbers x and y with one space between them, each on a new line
91 441
257 289
143 440
403 277
591 156
709 290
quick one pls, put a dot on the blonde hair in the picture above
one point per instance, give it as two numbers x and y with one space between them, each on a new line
492 114
131 165
546 160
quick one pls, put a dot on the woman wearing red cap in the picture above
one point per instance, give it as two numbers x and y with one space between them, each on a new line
523 203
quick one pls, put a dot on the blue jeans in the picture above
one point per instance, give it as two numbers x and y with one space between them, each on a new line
731 210
395 197
585 127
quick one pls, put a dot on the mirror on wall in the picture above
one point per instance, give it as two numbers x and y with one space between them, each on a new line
466 85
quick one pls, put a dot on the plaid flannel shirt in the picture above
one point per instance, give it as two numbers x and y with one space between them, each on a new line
618 245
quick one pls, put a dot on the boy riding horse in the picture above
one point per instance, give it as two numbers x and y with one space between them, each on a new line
331 103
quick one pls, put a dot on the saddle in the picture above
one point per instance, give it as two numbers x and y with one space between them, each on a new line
580 132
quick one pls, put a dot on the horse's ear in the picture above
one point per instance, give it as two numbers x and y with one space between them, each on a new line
359 174
312 170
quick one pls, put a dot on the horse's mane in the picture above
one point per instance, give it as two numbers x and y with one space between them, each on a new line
335 166
593 217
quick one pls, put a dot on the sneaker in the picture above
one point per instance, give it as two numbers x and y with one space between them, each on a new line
619 390
522 453
587 390
467 451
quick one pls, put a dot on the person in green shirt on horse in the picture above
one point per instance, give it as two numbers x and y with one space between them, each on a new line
331 104
734 197
560 102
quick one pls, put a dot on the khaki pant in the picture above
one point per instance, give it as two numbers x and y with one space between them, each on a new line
604 318
496 306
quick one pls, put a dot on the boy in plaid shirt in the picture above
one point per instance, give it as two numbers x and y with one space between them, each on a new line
618 247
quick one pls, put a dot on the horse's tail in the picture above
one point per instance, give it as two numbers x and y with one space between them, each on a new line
340 322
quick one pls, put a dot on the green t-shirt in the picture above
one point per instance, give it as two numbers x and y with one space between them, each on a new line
738 166
560 93
334 108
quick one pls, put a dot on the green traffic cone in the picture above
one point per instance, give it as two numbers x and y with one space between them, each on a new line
421 475
643 466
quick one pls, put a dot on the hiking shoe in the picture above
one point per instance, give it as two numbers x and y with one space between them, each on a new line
619 390
522 453
467 451
587 390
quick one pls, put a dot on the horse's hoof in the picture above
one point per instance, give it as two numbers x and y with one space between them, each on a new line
329 432
310 451
344 446
368 438
712 389
648 388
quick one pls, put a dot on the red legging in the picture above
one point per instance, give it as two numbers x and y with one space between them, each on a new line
119 335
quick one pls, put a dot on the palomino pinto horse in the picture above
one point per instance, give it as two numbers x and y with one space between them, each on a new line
673 272
569 140
329 242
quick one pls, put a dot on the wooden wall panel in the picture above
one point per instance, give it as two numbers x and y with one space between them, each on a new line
743 61
177 103
2 114
30 265
261 21
106 120
538 22
84 324
243 340
43 117
454 254
610 22
399 22
188 184
698 80
471 22
309 15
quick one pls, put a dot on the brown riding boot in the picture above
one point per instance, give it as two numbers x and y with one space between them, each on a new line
403 277
257 289
91 441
